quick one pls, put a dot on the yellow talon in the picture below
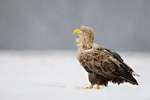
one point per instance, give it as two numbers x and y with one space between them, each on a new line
97 87
90 87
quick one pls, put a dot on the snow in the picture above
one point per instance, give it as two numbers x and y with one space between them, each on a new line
57 75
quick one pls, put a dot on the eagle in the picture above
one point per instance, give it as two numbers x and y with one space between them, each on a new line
102 64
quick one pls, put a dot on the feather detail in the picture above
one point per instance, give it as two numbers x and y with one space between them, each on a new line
135 74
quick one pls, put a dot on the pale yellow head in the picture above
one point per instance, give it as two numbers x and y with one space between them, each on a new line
86 36
85 32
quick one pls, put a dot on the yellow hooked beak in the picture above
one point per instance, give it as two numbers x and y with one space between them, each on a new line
77 31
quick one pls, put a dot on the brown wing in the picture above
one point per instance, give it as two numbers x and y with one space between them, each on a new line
119 59
106 63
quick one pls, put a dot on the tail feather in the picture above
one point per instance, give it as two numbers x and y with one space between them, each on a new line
135 74
130 79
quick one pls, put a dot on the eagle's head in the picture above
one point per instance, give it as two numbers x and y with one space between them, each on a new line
85 32
86 36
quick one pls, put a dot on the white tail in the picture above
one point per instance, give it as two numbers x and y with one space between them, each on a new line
135 74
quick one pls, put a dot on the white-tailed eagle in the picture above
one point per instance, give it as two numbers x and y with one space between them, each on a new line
102 64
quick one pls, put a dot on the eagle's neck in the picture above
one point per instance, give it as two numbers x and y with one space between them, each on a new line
84 43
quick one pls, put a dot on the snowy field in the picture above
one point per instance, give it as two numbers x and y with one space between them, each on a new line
59 76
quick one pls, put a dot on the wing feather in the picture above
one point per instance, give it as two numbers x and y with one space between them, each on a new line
103 62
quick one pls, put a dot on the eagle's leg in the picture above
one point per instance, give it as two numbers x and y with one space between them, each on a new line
97 87
89 87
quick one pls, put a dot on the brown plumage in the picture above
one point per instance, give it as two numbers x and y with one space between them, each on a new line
102 64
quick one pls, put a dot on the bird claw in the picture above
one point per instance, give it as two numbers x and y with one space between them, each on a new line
97 87
89 87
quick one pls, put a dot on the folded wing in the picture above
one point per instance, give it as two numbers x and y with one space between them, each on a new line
106 63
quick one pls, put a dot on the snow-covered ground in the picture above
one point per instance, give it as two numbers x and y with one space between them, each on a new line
59 76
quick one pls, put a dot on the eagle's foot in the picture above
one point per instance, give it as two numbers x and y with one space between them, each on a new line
89 87
97 87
